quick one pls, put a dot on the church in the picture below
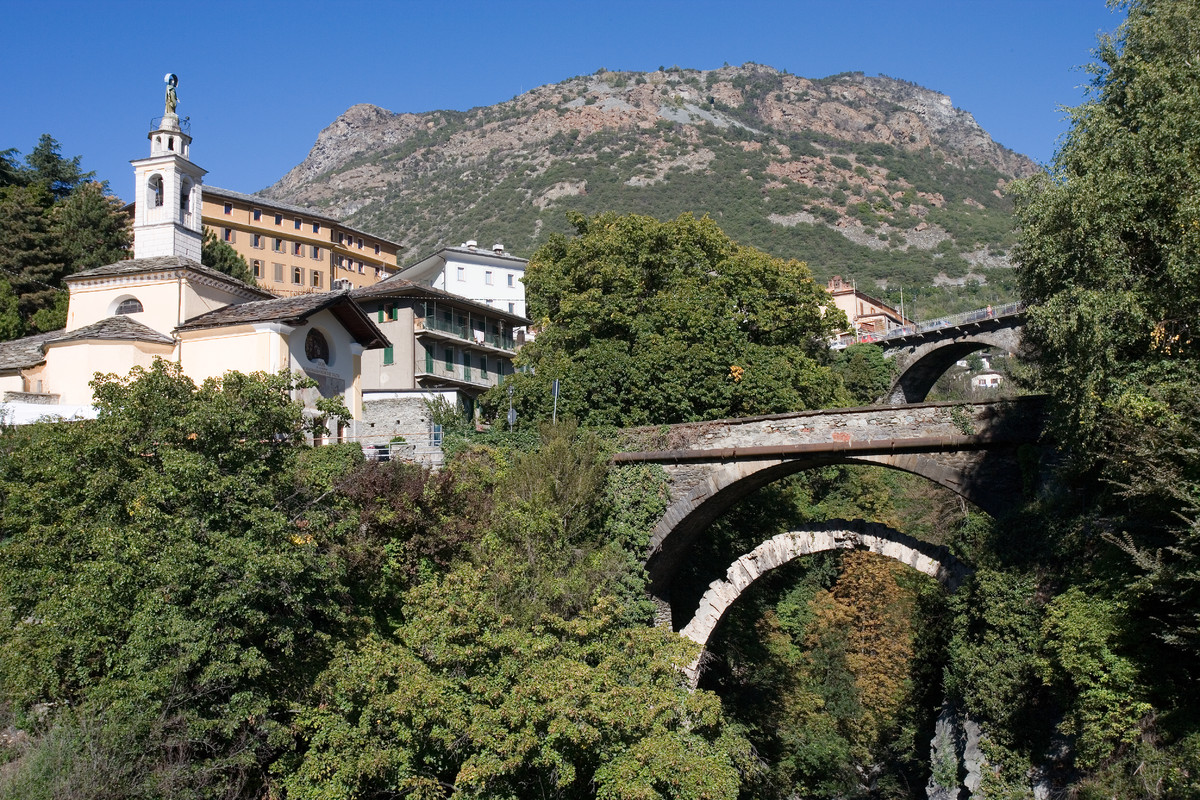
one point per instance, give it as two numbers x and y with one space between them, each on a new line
163 303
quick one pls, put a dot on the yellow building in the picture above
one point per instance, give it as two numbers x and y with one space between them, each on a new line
867 315
294 250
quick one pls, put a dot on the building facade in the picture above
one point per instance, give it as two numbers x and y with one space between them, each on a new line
293 250
442 346
868 316
493 277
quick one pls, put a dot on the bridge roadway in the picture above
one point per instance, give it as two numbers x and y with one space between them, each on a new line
973 449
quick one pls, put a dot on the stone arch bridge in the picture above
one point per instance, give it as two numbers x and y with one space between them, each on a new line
934 561
923 352
985 452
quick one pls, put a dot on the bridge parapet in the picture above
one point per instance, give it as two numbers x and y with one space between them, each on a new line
830 430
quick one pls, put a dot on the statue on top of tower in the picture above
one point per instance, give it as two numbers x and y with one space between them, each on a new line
172 99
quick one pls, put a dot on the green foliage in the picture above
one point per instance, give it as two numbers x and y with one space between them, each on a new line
91 227
54 220
463 701
219 256
153 578
866 374
659 322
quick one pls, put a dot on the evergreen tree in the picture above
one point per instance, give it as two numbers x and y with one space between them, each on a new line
91 228
59 175
30 255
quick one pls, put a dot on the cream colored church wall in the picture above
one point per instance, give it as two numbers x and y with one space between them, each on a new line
93 302
211 353
71 367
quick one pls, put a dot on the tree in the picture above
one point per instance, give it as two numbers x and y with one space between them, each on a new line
1110 268
460 701
657 322
91 227
220 256
157 580
865 372
30 254
47 167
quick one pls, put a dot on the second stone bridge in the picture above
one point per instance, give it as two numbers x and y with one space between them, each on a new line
981 451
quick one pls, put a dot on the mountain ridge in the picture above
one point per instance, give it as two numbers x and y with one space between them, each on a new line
868 175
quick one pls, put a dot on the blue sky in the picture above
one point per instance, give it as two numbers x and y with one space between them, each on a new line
260 79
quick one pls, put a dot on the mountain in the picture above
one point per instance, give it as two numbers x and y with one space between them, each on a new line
877 179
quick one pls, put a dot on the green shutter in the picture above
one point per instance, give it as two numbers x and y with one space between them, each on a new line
381 312
388 355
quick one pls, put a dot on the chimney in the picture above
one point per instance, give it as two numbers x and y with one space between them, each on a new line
471 244
498 249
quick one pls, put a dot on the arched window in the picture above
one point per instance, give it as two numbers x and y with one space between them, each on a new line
130 306
315 346
155 187
185 192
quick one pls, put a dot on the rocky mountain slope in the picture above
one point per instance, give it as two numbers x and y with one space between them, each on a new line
874 178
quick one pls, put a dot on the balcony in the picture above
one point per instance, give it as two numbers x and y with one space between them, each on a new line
464 333
456 374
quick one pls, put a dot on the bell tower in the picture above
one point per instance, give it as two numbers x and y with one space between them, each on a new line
167 189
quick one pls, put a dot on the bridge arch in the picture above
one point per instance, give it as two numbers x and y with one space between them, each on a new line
922 359
990 480
935 561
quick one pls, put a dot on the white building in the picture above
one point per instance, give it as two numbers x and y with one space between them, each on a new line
490 277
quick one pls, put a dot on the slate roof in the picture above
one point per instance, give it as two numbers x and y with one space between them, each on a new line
401 287
137 266
294 311
25 352
120 328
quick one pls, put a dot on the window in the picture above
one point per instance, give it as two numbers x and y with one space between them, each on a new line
258 215
298 223
279 219
315 347
130 306
278 246
316 227
360 243
258 268
297 249
341 262
155 187
227 235
341 238
256 241
185 192
297 275
462 273
388 356
316 252
510 279
362 267
450 358
393 313
376 249
229 208
278 272
512 308
487 277
483 366
316 279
